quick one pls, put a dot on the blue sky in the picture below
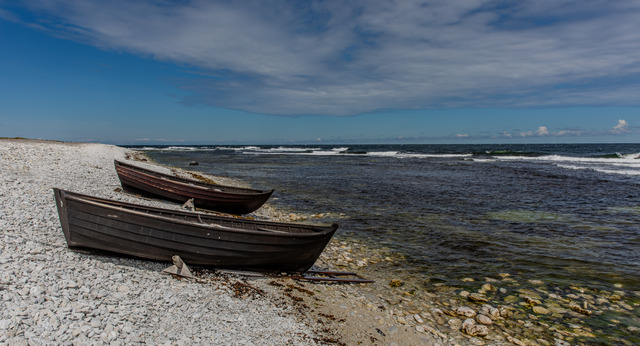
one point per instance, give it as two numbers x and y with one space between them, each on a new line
254 72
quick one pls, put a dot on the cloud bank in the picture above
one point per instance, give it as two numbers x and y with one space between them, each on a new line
350 57
621 128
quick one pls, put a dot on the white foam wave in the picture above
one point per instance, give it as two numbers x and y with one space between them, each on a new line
383 153
332 152
415 155
290 149
435 156
573 167
285 151
238 148
623 159
172 148
483 160
628 164
342 151
606 170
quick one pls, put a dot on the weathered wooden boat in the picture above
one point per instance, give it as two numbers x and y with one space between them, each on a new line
227 199
199 239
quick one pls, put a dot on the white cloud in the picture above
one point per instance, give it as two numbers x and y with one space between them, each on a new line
345 58
462 135
569 133
621 127
526 134
542 131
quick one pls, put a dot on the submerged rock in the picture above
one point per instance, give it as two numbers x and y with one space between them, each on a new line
577 308
490 311
477 297
470 327
483 319
486 288
531 301
540 310
466 311
455 323
516 341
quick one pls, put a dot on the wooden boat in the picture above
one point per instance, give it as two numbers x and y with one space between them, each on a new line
199 239
227 199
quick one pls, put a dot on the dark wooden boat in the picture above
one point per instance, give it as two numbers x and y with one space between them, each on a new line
226 199
199 239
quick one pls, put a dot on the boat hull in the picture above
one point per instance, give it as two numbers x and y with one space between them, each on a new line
226 199
199 239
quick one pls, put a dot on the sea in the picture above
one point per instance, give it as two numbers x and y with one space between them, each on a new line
566 215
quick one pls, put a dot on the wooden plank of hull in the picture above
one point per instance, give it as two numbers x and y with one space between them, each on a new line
226 199
88 223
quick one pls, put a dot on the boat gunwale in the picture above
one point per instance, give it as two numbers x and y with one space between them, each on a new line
123 207
191 183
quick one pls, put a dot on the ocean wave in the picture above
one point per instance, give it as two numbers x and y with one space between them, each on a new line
402 155
521 155
384 153
508 153
617 160
345 151
238 148
288 151
172 148
622 159
606 170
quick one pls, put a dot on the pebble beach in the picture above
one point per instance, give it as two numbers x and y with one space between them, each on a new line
50 294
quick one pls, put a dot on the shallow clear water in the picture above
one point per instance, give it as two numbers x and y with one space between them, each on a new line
563 214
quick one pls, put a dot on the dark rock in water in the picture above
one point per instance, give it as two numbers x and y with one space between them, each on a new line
193 163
